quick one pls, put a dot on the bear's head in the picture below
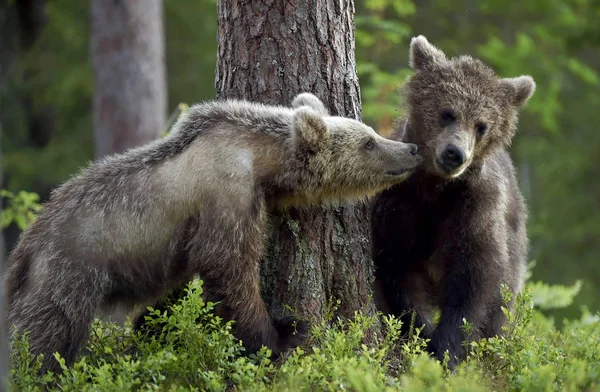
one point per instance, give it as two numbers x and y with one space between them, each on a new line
460 111
346 158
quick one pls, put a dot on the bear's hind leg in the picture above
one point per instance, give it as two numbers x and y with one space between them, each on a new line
56 312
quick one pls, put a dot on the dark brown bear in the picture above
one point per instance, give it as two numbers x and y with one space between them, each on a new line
451 234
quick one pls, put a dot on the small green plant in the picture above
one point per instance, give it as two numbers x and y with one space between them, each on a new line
20 208
195 350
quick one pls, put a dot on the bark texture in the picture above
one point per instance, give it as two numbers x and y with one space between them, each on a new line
268 51
130 95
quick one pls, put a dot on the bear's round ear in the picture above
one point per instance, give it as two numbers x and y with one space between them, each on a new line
519 89
309 129
310 100
424 55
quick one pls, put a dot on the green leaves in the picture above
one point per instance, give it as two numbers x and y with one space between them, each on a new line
20 209
582 71
547 296
556 42
196 351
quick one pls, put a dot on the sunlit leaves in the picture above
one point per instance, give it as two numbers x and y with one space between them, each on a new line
20 208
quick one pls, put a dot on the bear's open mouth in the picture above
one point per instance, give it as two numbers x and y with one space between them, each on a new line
396 172
445 169
448 172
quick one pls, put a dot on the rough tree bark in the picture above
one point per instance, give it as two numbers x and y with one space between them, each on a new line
268 51
130 95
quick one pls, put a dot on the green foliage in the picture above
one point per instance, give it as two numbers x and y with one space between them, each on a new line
21 209
533 355
56 74
554 41
557 43
187 355
340 355
380 29
546 296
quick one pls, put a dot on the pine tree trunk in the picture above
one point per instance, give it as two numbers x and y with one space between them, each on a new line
268 51
130 94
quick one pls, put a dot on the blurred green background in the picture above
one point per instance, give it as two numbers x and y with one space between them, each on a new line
555 41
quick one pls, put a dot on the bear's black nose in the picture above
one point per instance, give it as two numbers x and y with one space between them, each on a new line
414 149
453 156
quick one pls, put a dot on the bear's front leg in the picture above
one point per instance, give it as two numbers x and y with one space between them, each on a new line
227 256
238 296
400 242
475 258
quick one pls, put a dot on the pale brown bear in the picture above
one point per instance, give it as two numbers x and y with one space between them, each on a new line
449 236
132 227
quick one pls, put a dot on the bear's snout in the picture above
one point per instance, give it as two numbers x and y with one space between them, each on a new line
453 157
414 149
396 158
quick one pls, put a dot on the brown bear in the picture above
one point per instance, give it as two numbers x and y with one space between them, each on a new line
449 236
132 227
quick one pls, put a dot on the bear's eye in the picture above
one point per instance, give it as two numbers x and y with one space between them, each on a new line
481 128
447 117
370 145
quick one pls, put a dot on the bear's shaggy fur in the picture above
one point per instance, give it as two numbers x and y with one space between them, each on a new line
451 234
132 227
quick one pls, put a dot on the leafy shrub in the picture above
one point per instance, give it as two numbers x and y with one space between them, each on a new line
196 351
190 356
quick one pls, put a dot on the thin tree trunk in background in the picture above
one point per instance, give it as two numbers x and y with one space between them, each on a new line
128 54
4 357
130 92
32 18
3 316
6 52
268 51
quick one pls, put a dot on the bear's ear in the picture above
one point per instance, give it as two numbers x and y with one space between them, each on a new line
519 89
310 100
424 55
309 129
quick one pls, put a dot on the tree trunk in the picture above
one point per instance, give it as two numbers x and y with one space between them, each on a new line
31 16
4 357
130 96
6 54
3 311
268 51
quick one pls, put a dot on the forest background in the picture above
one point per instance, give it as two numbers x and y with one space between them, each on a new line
47 88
